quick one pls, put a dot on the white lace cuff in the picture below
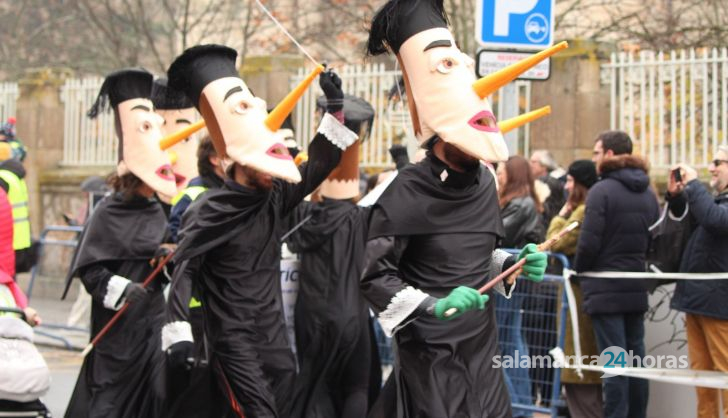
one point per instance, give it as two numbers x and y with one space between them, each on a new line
400 307
336 132
497 259
114 290
175 332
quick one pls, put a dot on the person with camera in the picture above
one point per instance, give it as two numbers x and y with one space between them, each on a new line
706 251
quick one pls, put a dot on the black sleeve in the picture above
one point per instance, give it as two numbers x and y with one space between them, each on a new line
5 186
302 214
706 212
394 300
103 284
323 157
180 290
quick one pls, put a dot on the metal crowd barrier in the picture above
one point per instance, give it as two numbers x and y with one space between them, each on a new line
44 241
532 322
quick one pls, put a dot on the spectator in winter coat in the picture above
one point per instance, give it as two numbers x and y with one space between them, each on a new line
614 237
583 393
704 301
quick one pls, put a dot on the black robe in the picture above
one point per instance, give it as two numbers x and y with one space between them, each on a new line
121 377
231 239
428 236
333 338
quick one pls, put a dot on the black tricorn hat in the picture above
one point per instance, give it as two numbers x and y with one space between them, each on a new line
398 20
120 86
199 66
166 98
358 114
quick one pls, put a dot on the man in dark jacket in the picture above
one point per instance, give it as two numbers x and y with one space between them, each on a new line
614 237
704 301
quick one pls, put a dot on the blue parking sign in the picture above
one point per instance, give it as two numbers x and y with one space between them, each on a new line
520 24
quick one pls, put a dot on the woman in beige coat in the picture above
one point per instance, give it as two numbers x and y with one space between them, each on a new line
583 395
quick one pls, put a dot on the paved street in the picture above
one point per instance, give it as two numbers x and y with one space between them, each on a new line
64 365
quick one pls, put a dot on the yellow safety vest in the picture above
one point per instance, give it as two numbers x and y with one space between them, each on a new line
192 191
18 197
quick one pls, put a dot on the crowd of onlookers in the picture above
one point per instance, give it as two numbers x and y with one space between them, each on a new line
612 198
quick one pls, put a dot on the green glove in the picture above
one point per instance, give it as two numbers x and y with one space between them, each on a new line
536 262
461 298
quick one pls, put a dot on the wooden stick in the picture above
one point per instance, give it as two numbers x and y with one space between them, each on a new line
512 269
123 309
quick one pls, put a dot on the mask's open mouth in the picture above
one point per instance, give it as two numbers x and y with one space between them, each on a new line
165 172
279 151
484 121
179 179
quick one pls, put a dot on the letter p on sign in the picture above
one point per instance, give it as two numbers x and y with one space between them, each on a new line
503 11
518 24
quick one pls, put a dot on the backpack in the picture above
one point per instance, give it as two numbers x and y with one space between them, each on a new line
668 237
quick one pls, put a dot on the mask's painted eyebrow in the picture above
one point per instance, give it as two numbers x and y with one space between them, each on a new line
141 107
438 43
231 91
183 120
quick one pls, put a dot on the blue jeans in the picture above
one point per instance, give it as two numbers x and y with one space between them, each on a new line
510 338
624 397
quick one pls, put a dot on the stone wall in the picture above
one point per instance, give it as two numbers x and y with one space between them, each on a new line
579 103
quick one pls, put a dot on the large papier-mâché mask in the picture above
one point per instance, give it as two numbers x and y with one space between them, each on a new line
236 122
183 155
440 81
140 130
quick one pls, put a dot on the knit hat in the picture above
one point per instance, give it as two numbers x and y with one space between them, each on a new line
584 172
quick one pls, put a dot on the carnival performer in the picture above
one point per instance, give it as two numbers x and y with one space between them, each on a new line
230 242
434 230
121 376
178 113
333 333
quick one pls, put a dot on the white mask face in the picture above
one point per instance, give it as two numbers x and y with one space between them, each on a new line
236 118
440 80
184 153
141 133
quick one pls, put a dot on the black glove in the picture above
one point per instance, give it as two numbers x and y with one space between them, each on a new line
163 251
399 155
135 292
331 85
179 353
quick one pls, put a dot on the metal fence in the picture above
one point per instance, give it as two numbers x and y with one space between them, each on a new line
86 142
8 97
674 105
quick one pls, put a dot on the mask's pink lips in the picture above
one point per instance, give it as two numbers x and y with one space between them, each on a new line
165 172
484 121
279 151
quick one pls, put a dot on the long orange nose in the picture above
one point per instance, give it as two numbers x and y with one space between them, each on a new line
520 120
175 137
492 82
278 115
